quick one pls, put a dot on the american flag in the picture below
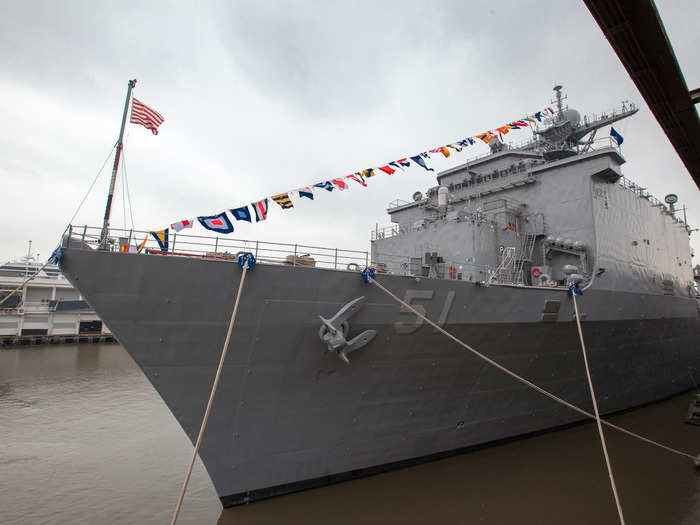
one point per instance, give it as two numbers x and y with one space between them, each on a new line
147 117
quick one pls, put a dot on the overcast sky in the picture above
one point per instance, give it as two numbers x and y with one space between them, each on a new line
263 97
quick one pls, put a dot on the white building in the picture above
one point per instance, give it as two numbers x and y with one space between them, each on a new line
46 309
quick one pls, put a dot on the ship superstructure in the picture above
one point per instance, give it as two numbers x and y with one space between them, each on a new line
538 213
327 378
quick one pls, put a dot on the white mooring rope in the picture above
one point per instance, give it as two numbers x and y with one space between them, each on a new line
530 383
597 415
459 342
211 398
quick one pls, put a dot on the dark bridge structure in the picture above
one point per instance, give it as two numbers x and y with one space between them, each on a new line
636 33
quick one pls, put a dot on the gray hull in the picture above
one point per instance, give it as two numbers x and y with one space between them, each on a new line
289 414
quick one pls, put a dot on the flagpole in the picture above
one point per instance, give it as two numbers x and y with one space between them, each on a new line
108 209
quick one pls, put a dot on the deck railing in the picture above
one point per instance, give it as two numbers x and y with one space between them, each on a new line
448 268
622 109
644 194
392 230
536 144
603 143
8 276
219 247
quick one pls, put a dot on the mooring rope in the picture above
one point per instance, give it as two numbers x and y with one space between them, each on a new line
25 282
525 381
603 444
211 397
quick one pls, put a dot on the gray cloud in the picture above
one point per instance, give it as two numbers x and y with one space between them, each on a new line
261 98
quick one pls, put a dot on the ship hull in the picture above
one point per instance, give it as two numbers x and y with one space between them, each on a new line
290 415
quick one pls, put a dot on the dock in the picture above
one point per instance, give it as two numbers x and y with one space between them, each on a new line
33 340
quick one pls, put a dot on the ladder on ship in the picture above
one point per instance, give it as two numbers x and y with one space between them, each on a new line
527 246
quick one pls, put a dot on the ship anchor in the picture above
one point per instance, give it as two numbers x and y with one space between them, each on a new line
333 331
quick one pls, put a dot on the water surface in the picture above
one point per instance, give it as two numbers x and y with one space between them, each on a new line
84 438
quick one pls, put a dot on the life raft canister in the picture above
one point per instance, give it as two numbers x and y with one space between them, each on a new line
536 271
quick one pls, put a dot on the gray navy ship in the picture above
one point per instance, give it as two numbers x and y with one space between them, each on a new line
328 378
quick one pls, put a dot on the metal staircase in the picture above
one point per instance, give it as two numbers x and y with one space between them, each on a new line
527 245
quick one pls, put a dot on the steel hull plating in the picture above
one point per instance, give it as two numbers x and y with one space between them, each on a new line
290 415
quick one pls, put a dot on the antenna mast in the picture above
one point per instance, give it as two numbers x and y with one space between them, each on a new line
557 90
108 209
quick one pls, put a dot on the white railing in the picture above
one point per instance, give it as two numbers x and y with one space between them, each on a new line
37 307
219 247
644 194
623 109
602 143
534 141
387 232
397 203
8 275
448 269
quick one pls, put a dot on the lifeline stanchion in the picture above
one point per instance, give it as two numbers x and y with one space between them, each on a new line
573 291
245 261
525 381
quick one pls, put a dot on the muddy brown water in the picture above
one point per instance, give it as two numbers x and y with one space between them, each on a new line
84 438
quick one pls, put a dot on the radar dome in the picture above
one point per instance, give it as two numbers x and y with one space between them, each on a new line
572 116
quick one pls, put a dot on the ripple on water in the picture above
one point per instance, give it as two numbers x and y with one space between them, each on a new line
84 438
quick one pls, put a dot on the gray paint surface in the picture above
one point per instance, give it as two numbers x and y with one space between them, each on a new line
289 414
287 410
